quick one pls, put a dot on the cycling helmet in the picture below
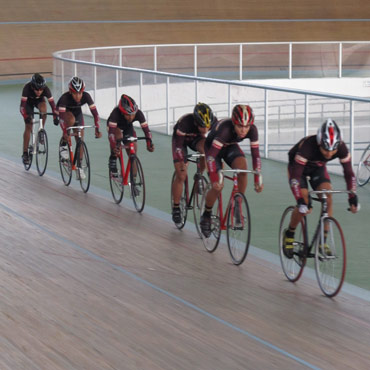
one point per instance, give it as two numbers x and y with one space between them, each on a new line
127 105
328 135
76 85
242 115
38 82
203 115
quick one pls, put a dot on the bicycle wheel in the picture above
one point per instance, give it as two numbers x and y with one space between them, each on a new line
292 266
116 183
211 243
30 157
83 166
183 202
137 183
65 163
238 230
363 168
330 257
42 151
199 189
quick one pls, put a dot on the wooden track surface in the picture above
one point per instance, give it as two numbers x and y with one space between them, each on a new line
27 48
87 284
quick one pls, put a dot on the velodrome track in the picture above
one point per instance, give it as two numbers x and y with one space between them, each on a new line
89 285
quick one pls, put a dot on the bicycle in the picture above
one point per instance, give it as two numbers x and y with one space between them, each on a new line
327 247
78 161
235 220
193 201
133 169
38 146
363 168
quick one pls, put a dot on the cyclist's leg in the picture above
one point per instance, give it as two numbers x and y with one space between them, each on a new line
235 158
28 122
117 132
43 109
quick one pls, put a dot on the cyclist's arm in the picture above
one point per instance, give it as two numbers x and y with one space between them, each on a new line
296 173
22 107
53 107
112 134
256 159
211 159
350 181
178 142
95 114
62 119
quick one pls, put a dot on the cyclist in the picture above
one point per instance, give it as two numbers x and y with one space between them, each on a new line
69 107
33 95
222 143
189 131
308 158
120 123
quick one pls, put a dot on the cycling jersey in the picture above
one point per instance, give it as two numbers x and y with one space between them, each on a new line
222 143
305 159
30 100
66 103
117 119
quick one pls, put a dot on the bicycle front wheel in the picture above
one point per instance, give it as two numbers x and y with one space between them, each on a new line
238 228
199 189
65 163
363 168
42 152
211 242
330 257
137 183
116 183
83 166
292 265
183 202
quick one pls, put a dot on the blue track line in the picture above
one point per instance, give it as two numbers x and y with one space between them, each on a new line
155 287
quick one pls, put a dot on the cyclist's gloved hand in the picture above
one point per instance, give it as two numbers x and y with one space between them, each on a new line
56 121
98 134
302 206
353 200
149 145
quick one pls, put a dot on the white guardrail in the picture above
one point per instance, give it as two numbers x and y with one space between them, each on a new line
167 80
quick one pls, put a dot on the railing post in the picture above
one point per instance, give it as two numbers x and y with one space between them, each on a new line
306 115
117 97
168 104
241 62
290 60
340 60
266 126
352 130
195 61
229 99
94 73
141 90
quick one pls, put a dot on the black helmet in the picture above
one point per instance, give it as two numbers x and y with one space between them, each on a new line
38 82
328 135
76 85
203 115
127 105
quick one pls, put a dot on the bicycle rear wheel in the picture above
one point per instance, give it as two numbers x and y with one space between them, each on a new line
83 166
183 202
197 199
137 183
330 257
363 168
42 152
238 228
116 183
65 164
292 266
211 243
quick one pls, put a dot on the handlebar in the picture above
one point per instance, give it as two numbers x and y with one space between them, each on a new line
130 139
325 192
236 171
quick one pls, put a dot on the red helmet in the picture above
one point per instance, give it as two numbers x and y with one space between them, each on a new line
127 105
242 115
76 85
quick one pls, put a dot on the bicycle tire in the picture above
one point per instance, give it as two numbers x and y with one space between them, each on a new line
42 151
116 184
363 168
183 202
65 164
83 163
293 267
197 199
137 182
330 268
238 230
211 243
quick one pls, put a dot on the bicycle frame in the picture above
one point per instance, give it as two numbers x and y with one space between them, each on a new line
190 157
34 133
